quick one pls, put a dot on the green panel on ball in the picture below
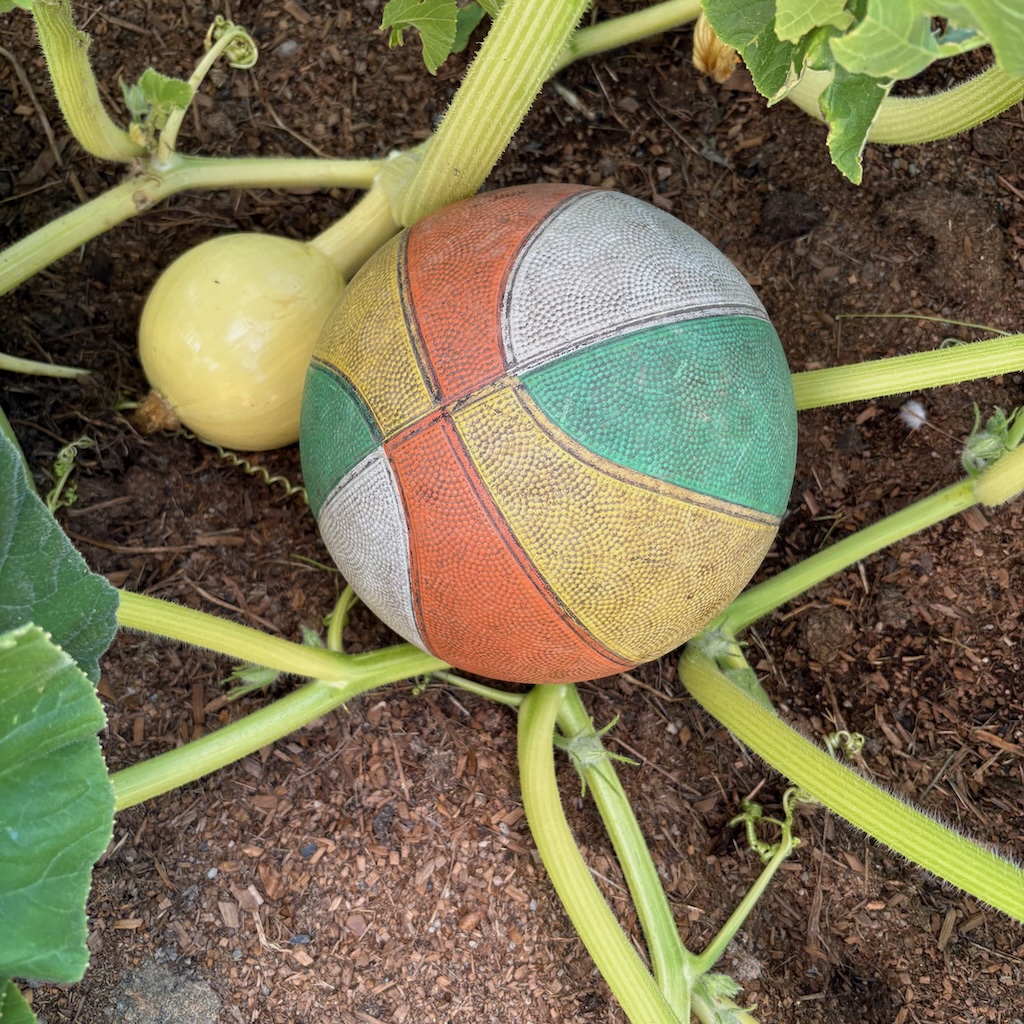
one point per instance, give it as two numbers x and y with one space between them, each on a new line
336 432
704 404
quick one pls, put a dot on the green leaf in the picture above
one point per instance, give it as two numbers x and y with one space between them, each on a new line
13 1008
56 807
151 100
5 6
434 19
897 41
795 18
466 20
850 104
749 26
1000 21
43 579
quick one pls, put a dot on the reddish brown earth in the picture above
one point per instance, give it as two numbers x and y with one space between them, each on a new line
377 866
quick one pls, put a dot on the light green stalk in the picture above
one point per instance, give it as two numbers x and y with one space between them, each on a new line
516 59
672 963
607 944
627 28
362 672
759 600
1003 480
231 36
139 193
902 828
176 622
67 59
35 368
814 389
912 120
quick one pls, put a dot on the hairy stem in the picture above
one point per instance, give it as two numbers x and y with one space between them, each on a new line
175 622
1003 480
516 58
899 826
672 962
627 28
815 389
192 761
67 58
911 120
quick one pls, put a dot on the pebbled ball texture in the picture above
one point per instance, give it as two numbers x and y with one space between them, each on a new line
548 433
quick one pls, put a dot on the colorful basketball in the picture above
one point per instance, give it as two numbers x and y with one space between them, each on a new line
548 433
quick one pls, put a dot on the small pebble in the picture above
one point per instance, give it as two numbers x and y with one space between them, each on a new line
286 49
308 850
302 939
212 873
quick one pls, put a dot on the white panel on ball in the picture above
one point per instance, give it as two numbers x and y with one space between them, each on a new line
605 264
363 525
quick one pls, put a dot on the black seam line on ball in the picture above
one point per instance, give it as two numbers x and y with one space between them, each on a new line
412 324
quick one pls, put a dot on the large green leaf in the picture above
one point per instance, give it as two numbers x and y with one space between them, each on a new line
849 105
43 579
795 18
896 40
749 26
13 1008
1002 21
867 45
56 807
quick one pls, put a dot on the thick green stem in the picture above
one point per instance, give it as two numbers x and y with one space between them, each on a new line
910 833
140 192
814 389
628 28
767 596
515 60
175 622
192 761
1003 480
672 963
611 950
349 242
67 57
912 120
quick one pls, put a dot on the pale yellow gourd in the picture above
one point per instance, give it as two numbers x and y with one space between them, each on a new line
227 334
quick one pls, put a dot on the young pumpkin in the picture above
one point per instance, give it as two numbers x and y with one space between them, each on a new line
226 335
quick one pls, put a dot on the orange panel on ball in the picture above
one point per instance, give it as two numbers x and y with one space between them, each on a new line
454 281
479 602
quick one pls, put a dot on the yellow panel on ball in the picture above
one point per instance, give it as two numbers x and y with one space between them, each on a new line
640 563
